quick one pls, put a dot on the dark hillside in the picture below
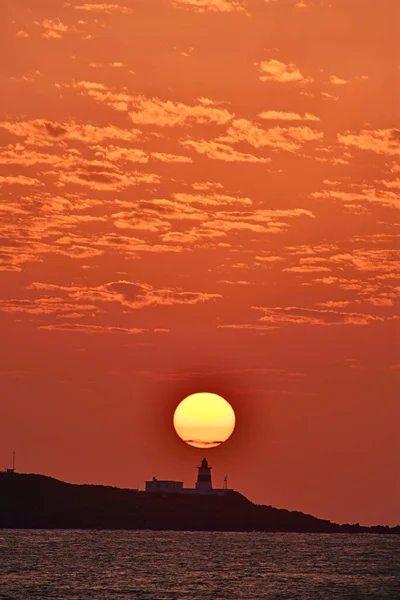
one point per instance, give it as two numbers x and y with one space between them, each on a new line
36 501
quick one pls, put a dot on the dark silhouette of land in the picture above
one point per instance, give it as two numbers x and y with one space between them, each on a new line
40 502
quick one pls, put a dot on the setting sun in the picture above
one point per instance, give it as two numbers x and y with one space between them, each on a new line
204 420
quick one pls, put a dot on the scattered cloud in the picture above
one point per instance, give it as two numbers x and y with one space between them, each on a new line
307 269
201 6
290 139
19 180
381 141
53 29
338 80
294 315
49 133
130 295
171 158
153 111
211 199
369 195
84 328
277 115
274 70
104 8
218 151
330 96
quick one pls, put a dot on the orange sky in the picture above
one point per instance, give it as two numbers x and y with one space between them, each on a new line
203 195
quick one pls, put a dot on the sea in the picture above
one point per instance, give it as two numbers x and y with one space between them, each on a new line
149 565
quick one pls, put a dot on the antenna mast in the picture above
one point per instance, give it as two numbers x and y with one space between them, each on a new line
13 467
225 486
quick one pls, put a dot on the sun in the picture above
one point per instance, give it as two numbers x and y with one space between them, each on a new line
204 420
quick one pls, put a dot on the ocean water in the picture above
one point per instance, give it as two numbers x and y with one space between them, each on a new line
145 565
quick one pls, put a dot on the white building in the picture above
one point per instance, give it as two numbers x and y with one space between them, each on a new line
203 484
157 485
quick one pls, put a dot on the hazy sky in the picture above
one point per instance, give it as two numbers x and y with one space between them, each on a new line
202 195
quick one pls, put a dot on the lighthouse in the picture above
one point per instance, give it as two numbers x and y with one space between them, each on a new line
203 483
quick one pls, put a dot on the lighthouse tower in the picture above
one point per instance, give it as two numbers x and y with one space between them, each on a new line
203 483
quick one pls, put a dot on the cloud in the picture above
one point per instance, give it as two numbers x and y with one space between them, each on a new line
238 282
47 306
330 96
381 141
274 70
277 115
119 153
212 199
385 259
130 295
133 220
104 8
282 138
249 327
153 111
53 28
294 315
211 5
180 237
145 110
307 269
106 181
19 155
335 303
135 155
84 328
207 185
171 158
113 65
337 80
268 259
369 195
48 133
394 184
19 180
218 151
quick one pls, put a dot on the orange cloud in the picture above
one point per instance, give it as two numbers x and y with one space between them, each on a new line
289 138
274 70
211 5
47 306
84 328
369 195
107 181
277 115
104 8
337 80
385 259
153 111
294 315
47 133
218 151
212 199
19 180
171 158
381 141
128 294
307 269
53 28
